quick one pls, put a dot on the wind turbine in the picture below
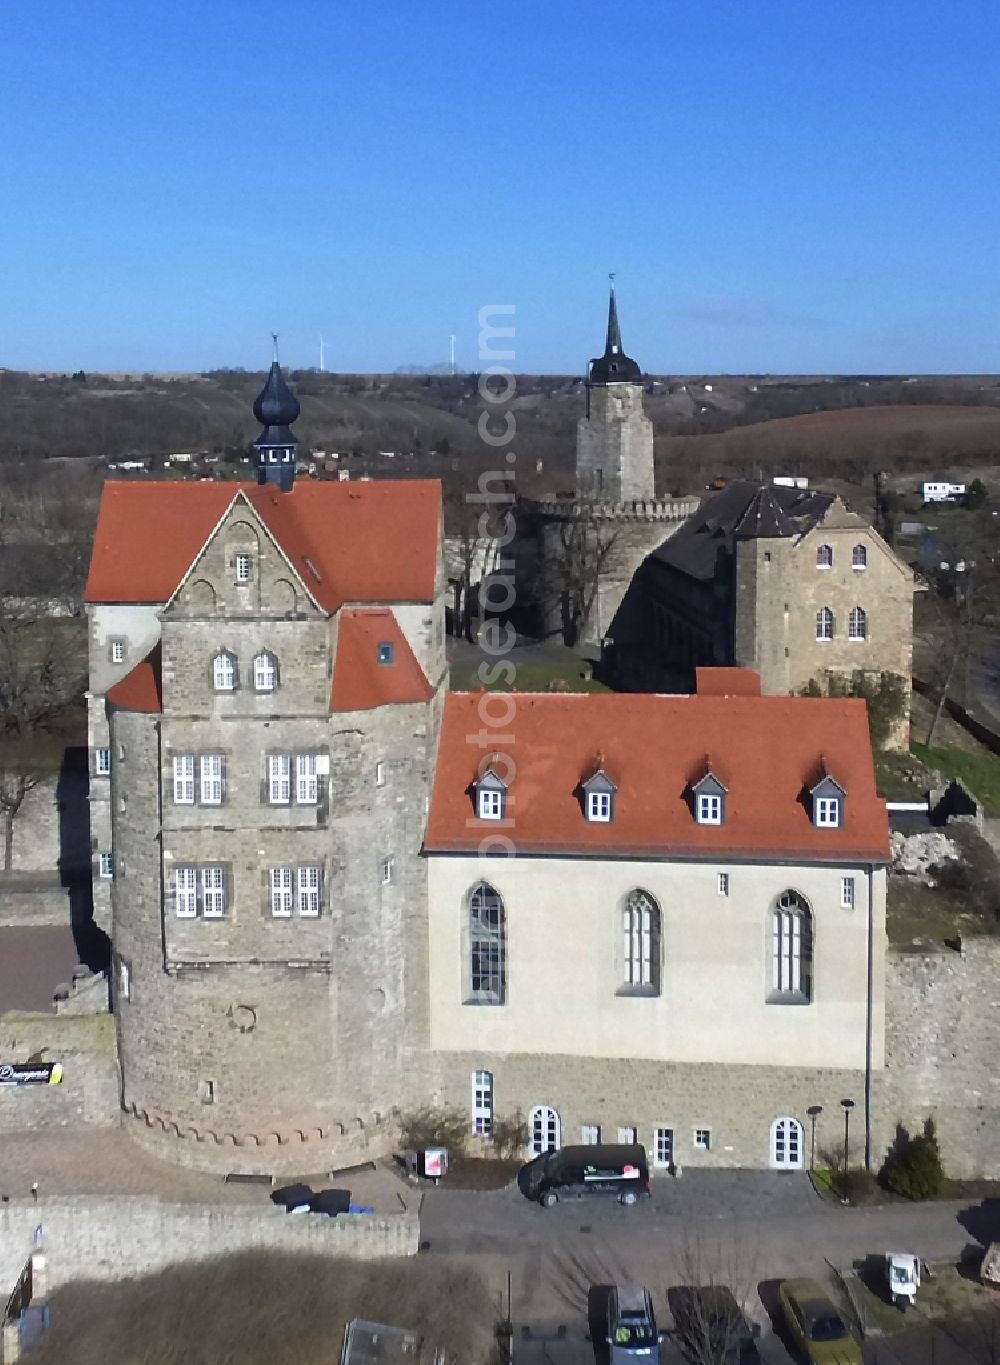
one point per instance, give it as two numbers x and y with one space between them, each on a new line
452 340
322 354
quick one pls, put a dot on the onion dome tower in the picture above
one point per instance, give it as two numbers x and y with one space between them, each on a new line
276 408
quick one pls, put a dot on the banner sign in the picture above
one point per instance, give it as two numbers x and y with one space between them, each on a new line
30 1073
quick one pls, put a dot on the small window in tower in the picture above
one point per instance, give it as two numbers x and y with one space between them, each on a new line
206 1092
386 652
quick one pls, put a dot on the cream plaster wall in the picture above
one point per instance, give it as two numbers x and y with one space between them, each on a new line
564 964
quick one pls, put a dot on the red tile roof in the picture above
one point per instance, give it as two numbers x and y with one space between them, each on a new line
142 689
768 748
350 542
727 682
360 682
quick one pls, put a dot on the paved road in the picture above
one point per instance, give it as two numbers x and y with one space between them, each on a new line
750 1229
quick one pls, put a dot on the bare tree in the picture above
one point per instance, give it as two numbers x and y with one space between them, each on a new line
572 577
967 603
39 682
710 1307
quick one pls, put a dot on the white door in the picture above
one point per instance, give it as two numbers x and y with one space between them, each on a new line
786 1145
545 1130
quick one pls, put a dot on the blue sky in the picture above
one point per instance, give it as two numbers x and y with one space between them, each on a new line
780 186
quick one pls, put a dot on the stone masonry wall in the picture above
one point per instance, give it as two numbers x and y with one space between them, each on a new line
88 1092
614 446
112 1239
943 1051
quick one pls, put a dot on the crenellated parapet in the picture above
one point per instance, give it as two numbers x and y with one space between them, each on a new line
646 510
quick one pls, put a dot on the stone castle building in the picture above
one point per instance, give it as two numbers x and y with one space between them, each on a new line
336 892
785 581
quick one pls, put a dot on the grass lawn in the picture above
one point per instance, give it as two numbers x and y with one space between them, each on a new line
980 771
561 677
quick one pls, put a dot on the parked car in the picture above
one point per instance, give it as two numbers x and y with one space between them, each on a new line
632 1333
711 1325
816 1325
620 1171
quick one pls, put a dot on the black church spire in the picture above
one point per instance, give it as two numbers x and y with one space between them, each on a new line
614 366
276 408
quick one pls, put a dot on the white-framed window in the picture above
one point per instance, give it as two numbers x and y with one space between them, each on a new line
847 892
306 783
824 557
213 892
386 871
641 942
827 811
124 980
244 568
786 1145
490 804
183 779
709 809
102 762
482 1103
224 671
380 773
627 1134
118 651
722 885
487 921
590 1134
859 557
186 892
702 1141
546 1129
663 1146
307 887
265 672
211 779
824 624
857 624
599 806
106 865
791 947
281 892
279 779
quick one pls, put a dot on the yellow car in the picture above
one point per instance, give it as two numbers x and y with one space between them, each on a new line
816 1326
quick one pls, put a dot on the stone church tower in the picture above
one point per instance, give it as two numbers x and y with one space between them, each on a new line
614 440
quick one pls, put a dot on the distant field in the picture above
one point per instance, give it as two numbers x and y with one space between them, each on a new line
914 437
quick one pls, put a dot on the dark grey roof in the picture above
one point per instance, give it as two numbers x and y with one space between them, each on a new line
740 511
275 407
614 366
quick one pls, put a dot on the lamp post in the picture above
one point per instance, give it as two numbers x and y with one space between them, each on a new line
814 1112
847 1106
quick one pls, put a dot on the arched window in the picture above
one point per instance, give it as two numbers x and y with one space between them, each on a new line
640 944
857 624
824 624
487 946
791 950
859 557
824 557
546 1130
224 671
786 1145
265 672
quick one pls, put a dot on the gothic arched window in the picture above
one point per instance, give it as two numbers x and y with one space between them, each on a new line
824 624
857 624
487 946
224 671
791 950
641 943
265 672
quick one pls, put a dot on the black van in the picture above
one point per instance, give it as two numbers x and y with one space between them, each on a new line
619 1170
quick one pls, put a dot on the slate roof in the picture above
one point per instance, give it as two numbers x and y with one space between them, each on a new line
739 511
765 749
350 542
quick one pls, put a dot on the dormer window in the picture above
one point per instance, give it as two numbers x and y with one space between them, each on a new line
828 803
824 557
224 671
599 798
709 799
265 672
243 565
491 797
386 652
